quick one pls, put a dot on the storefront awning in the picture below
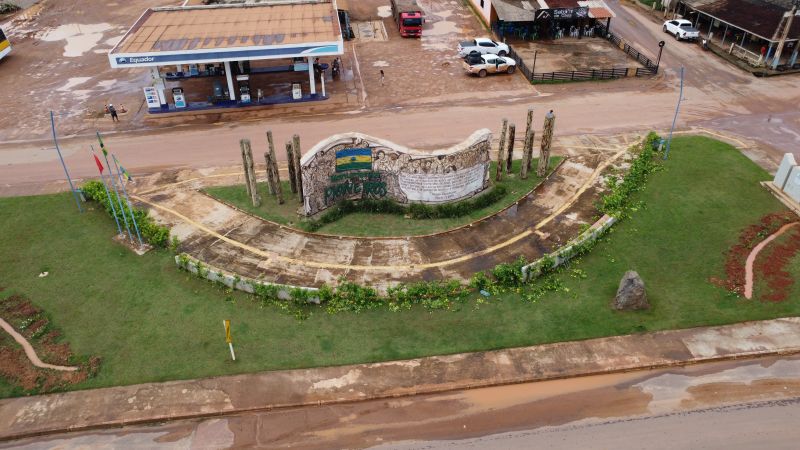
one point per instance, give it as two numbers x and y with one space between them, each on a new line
203 34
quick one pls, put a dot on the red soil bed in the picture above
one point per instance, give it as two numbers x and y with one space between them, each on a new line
771 266
31 322
737 255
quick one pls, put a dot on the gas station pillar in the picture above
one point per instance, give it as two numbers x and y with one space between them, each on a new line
311 77
158 83
229 77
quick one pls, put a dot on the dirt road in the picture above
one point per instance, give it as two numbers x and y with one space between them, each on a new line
718 96
738 404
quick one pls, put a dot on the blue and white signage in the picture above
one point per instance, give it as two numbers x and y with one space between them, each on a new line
219 55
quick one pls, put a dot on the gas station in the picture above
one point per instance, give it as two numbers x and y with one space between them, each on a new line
232 55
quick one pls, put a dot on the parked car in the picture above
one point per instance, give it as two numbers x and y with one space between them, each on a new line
482 65
482 46
682 29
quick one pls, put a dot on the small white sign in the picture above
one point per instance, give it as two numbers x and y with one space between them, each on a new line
297 92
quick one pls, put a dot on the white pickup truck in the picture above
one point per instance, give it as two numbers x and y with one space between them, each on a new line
682 29
481 65
482 46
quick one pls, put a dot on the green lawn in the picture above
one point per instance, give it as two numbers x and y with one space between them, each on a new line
150 322
366 224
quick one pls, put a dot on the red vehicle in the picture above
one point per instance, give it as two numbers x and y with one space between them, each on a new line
408 17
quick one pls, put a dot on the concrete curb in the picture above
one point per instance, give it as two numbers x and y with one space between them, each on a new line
159 402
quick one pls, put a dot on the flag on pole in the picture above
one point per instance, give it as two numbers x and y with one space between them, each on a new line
99 164
105 186
102 146
125 172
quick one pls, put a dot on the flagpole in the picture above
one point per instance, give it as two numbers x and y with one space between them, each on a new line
114 186
127 199
108 195
66 172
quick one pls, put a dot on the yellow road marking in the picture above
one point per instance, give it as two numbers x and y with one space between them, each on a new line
466 257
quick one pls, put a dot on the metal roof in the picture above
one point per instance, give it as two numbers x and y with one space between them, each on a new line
758 17
211 32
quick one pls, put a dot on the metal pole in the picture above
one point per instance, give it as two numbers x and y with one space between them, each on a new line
724 35
128 201
108 195
675 119
119 199
533 71
66 172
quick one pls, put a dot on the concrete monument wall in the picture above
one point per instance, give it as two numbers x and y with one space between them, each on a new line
787 178
354 166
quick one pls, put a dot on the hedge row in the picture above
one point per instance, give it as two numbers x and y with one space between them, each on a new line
156 235
416 211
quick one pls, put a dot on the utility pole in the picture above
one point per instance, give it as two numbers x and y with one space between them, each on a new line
787 25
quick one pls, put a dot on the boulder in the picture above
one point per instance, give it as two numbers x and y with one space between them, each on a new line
631 294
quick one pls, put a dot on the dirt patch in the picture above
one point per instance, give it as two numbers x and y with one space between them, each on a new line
15 367
751 236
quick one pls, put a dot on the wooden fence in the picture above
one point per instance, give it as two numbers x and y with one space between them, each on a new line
650 68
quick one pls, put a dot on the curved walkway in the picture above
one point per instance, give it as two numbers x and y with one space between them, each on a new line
227 238
30 352
751 258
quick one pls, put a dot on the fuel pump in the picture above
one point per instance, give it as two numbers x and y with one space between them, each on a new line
177 95
244 88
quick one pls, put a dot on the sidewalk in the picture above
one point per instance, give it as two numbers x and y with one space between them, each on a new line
158 402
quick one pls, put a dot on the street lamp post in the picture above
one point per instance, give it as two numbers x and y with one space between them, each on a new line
660 50
675 119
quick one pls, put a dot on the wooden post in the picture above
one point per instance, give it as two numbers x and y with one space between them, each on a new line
290 159
270 176
251 173
297 168
547 141
273 169
510 153
243 144
527 155
529 133
501 162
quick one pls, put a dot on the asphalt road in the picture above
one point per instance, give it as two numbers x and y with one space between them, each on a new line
734 404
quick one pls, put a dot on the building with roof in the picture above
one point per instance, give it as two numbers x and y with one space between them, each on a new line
536 19
227 42
751 29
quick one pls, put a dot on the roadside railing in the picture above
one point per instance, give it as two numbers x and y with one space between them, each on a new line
650 68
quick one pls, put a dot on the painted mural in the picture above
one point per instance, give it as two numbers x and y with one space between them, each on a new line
354 166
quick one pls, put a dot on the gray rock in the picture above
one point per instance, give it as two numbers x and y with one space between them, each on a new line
631 294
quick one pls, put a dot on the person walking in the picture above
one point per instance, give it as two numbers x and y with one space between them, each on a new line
113 112
383 77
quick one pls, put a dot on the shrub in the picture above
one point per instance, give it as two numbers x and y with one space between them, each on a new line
156 235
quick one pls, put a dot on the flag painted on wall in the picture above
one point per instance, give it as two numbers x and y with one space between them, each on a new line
353 159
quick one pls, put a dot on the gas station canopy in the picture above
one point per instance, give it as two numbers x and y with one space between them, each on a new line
218 33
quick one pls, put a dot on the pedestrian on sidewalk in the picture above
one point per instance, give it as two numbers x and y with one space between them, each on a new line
383 77
113 112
